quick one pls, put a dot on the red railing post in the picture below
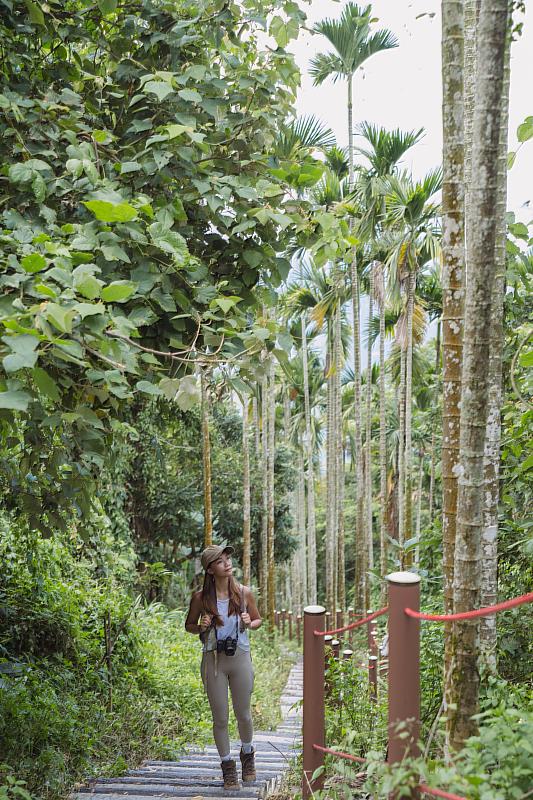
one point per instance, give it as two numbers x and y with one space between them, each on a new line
313 699
339 621
276 619
283 620
336 647
347 654
404 666
298 629
349 620
289 617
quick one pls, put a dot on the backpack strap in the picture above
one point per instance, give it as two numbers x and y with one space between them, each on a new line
243 607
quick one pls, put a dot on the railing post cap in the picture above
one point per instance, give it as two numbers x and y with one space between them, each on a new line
328 638
372 658
315 610
347 652
403 578
335 643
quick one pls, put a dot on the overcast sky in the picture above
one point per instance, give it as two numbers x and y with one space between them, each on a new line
402 87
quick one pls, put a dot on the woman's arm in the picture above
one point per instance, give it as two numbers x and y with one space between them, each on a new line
195 611
251 617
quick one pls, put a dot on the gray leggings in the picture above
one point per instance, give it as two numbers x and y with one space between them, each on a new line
237 672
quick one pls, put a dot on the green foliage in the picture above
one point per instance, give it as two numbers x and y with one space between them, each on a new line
56 725
139 212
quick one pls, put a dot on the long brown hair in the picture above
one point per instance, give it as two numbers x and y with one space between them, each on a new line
209 597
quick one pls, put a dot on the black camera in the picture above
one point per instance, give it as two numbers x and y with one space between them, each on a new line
227 646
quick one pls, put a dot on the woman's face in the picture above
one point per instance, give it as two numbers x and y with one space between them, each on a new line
222 567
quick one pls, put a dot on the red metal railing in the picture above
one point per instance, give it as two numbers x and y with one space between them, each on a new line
403 675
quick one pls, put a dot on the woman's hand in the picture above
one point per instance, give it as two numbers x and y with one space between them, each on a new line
205 622
246 619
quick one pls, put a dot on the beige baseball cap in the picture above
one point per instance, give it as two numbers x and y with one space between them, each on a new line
214 551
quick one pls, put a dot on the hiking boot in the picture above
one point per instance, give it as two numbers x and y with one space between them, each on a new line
229 773
248 765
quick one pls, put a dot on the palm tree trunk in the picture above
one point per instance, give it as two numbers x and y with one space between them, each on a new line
433 432
302 553
382 446
489 537
453 255
368 420
360 541
246 530
256 427
482 270
401 456
330 474
419 508
311 524
264 473
360 555
206 454
271 406
408 460
339 466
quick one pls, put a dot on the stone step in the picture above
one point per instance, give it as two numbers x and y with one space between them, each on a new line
166 790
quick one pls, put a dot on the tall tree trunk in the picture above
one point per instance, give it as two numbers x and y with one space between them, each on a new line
408 459
360 539
302 551
360 555
271 407
368 432
418 529
489 537
383 544
341 584
256 428
246 528
264 474
453 255
482 269
330 472
311 524
401 456
206 454
433 432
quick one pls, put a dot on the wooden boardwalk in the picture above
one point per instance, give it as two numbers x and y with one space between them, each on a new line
198 775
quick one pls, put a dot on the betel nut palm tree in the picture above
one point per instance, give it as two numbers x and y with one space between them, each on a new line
353 42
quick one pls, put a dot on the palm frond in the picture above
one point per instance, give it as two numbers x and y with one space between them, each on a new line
324 66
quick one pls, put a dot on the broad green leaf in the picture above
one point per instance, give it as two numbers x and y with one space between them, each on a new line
168 240
46 384
283 30
190 95
88 286
527 463
525 130
111 212
148 388
89 309
173 131
225 303
188 394
169 387
34 262
511 158
15 361
526 359
118 291
160 88
253 257
35 12
129 166
17 401
61 318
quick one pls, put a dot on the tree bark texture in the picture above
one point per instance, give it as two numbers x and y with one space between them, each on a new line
360 542
331 483
368 431
453 257
482 270
408 458
489 537
341 583
311 523
263 581
383 544
206 453
246 528
401 454
271 564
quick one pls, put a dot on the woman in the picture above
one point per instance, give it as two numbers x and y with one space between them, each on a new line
222 613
